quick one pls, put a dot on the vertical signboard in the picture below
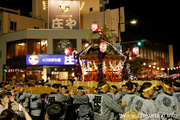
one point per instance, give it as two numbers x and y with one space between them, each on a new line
122 19
63 14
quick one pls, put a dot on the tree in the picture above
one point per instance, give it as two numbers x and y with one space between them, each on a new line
136 65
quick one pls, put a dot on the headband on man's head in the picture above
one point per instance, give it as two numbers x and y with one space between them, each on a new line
169 87
124 87
176 87
105 85
148 89
113 88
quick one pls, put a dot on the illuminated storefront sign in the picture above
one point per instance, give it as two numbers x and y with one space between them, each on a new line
50 60
64 14
16 70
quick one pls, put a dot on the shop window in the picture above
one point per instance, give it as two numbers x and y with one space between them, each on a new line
34 46
20 49
37 46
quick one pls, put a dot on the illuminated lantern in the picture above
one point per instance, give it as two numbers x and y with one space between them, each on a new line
94 27
67 51
135 50
103 47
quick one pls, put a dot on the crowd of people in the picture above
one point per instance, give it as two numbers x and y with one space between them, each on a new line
129 102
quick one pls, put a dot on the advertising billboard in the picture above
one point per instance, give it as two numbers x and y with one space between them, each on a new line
59 45
50 60
64 14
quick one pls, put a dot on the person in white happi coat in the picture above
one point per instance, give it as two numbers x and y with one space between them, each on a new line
167 104
129 97
143 104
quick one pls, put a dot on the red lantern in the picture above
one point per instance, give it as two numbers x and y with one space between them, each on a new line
103 47
67 51
135 50
94 27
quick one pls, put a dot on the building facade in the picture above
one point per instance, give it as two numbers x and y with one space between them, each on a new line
17 45
21 36
155 56
12 20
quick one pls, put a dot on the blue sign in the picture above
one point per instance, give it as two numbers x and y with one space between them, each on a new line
50 60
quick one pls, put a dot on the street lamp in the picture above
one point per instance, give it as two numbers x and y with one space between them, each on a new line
133 21
119 27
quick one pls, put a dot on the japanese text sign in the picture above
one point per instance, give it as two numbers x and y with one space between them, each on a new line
50 60
64 14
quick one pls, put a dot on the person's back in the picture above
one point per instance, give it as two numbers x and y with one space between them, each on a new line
82 101
35 105
166 103
176 88
104 105
129 97
143 105
55 97
58 98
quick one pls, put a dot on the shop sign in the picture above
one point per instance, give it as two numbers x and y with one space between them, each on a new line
16 70
64 14
50 60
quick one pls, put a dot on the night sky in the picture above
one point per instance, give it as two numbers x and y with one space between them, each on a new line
152 18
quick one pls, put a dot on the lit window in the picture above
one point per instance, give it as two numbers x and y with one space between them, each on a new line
20 49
